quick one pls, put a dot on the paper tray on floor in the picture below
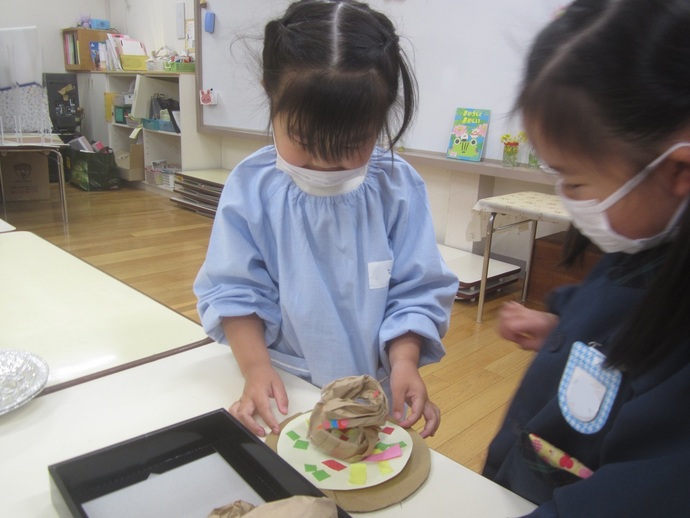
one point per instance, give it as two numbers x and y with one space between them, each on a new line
468 268
188 468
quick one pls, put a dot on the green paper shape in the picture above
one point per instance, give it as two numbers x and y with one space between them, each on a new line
320 475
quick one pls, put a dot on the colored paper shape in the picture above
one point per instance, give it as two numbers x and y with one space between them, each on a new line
358 474
387 454
312 462
384 467
320 475
334 464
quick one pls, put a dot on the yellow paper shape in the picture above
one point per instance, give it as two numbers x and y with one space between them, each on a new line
384 467
358 473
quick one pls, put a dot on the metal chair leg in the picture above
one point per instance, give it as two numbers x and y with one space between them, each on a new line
485 265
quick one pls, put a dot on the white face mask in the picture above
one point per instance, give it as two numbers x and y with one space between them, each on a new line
323 183
590 218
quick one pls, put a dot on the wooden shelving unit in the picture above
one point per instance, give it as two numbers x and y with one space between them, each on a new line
188 149
75 46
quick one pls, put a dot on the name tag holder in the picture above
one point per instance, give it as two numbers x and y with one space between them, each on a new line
587 389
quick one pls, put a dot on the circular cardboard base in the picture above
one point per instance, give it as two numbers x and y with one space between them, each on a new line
382 495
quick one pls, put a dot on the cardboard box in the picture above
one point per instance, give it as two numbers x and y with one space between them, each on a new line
100 24
131 164
25 176
173 471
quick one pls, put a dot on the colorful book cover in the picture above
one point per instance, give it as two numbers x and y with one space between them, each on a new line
469 134
96 56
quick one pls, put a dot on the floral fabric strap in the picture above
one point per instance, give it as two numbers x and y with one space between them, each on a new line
558 458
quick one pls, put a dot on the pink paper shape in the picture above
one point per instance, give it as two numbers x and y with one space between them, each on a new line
388 430
387 454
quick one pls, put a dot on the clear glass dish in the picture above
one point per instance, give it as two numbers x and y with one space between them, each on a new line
22 376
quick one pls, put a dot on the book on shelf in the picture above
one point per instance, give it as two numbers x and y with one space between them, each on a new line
94 47
468 137
119 45
113 51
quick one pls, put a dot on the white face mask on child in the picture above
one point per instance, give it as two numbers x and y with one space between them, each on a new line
590 218
323 183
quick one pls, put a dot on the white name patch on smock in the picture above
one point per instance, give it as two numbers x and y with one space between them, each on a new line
379 274
584 395
587 389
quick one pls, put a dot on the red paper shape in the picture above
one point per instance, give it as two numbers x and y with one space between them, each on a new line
334 465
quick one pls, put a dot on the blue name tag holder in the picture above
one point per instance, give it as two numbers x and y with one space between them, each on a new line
587 389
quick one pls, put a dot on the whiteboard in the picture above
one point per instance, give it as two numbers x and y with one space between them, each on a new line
465 53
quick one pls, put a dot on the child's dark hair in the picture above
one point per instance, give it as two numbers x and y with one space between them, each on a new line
335 70
613 76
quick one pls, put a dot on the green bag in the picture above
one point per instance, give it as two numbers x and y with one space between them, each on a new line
94 171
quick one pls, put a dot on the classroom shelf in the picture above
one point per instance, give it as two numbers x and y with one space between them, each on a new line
76 48
187 149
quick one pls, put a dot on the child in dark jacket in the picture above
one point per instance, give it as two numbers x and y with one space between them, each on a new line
599 425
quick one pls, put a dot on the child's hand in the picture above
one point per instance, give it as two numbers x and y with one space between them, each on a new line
261 385
526 327
408 387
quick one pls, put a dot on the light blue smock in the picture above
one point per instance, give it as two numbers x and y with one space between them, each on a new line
334 278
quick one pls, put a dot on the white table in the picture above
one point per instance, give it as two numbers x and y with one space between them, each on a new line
123 405
82 321
517 209
6 227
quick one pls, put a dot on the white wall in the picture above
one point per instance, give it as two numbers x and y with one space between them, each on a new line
50 16
152 22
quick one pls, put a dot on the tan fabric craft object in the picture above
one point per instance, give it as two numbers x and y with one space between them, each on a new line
293 507
234 510
356 406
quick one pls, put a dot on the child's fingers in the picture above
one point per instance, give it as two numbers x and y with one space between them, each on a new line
240 411
432 420
280 396
416 410
266 413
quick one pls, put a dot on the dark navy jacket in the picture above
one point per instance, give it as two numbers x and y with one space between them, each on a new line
641 457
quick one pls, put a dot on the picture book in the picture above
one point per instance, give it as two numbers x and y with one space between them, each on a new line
96 55
469 134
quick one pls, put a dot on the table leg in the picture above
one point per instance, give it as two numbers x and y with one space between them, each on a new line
528 265
61 182
2 192
485 265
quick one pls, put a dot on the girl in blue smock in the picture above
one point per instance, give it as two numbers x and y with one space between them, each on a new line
323 259
599 426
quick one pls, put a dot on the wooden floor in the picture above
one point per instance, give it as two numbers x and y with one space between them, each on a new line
143 239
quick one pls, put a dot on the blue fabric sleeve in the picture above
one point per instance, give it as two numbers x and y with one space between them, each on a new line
422 288
233 280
